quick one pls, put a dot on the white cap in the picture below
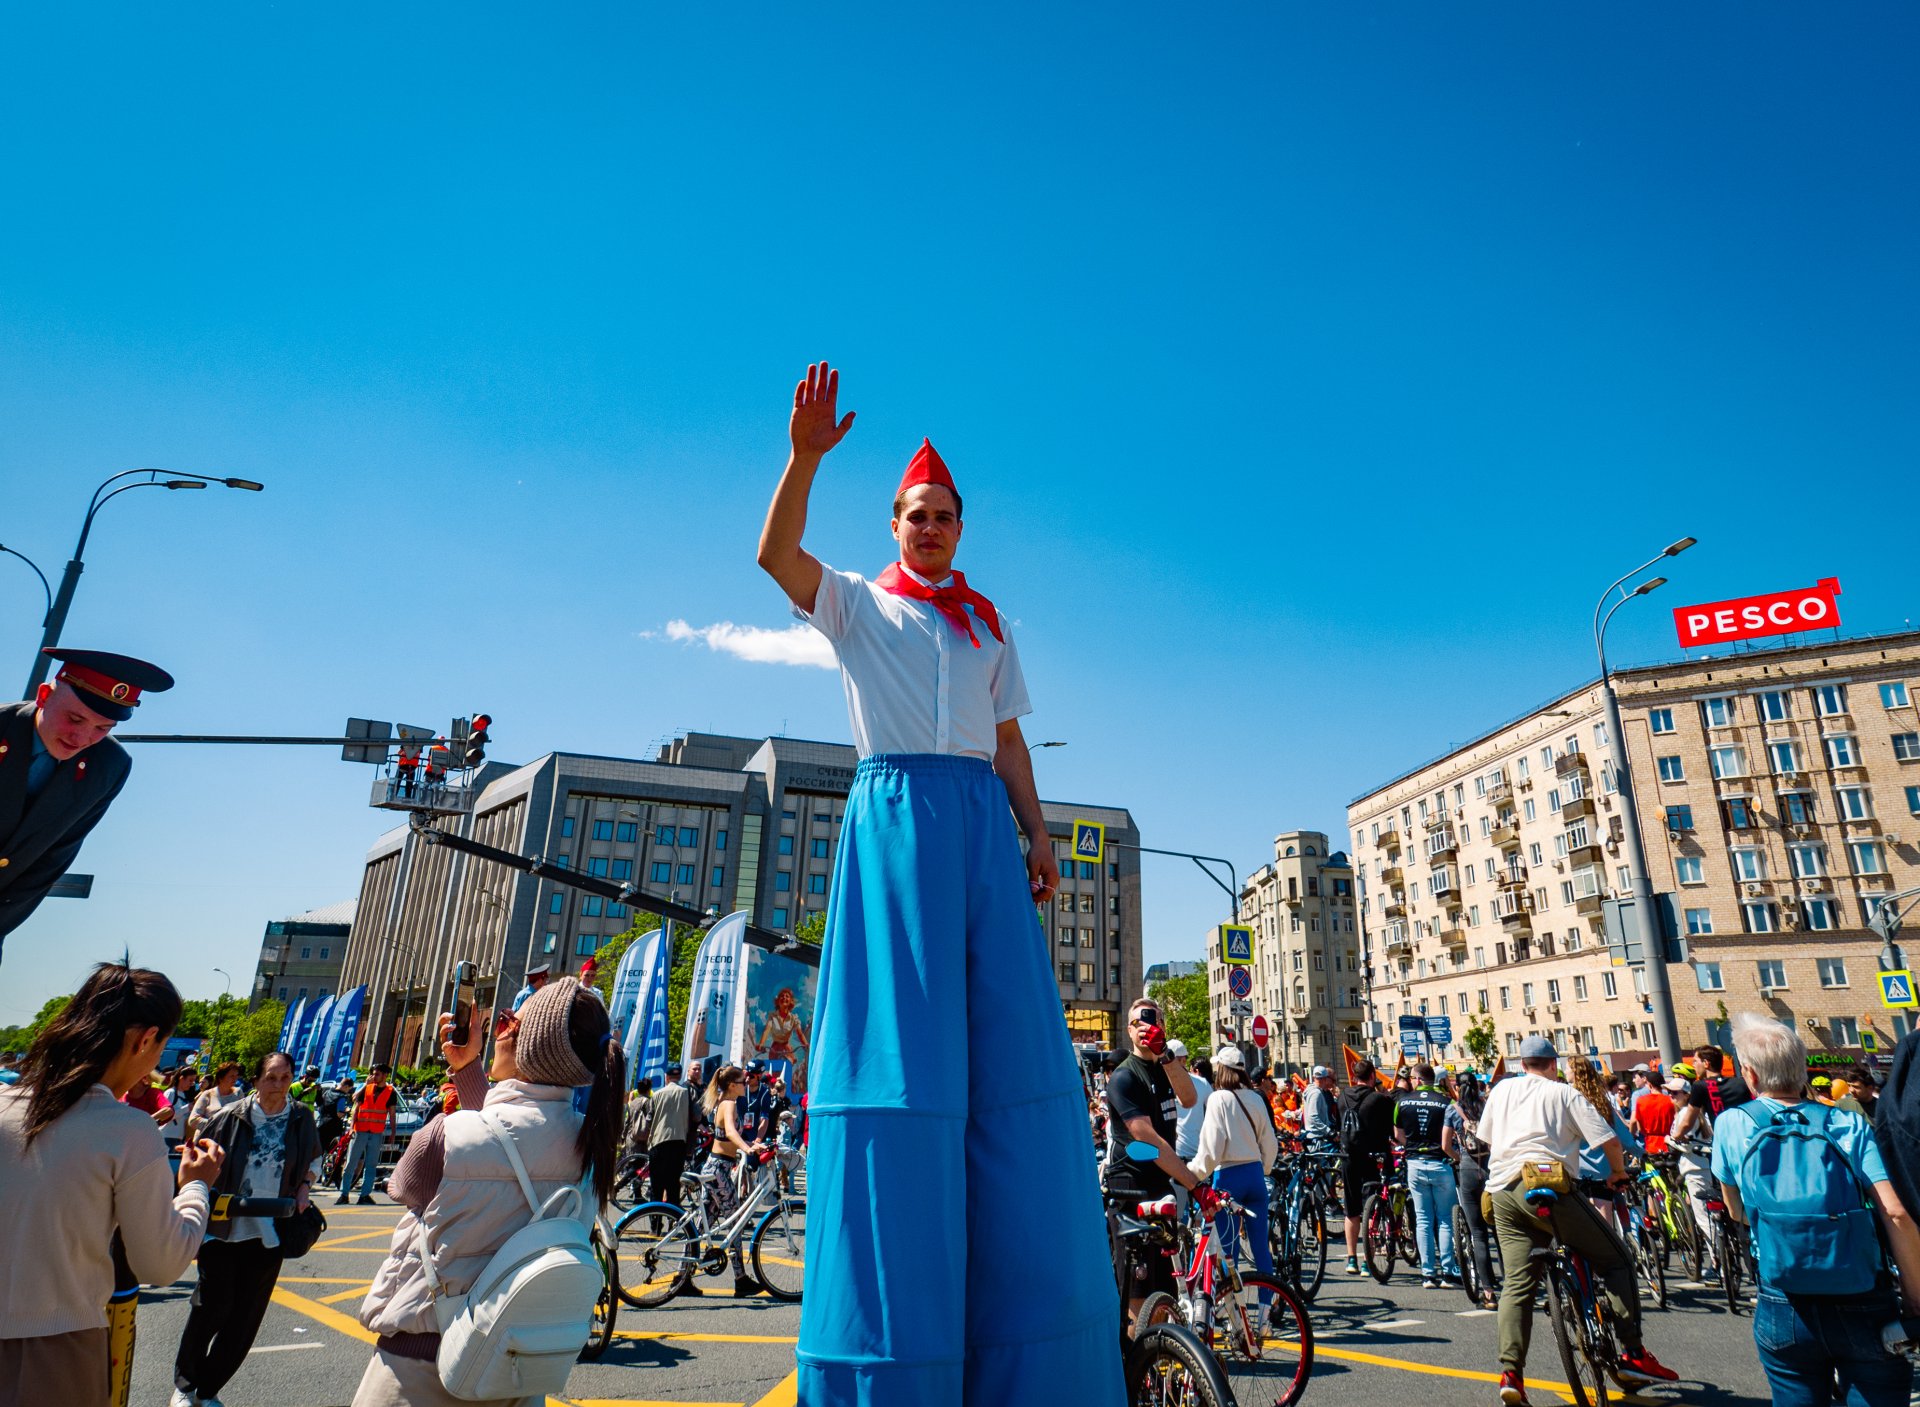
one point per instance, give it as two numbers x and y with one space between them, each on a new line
1230 1056
1177 1048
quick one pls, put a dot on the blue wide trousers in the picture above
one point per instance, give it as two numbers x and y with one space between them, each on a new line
956 1245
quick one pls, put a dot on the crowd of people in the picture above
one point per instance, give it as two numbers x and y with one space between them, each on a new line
1807 1154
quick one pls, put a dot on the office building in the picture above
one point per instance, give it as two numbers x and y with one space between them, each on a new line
302 956
714 822
1778 791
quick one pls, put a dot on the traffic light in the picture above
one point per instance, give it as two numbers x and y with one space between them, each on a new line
477 740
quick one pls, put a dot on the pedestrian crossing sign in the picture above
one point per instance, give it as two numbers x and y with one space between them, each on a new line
1089 841
1896 988
1236 943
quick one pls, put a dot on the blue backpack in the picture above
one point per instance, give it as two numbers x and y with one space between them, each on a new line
1813 1232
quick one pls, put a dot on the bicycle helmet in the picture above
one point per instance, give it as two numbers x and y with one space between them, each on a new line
756 1067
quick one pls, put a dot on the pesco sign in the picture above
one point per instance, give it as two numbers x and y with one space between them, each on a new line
1751 617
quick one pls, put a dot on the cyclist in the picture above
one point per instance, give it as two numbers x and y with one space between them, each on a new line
1317 1109
1366 1137
1470 1180
1420 1125
1237 1146
1824 1298
1534 1127
1585 1077
1652 1120
1709 1094
1144 1095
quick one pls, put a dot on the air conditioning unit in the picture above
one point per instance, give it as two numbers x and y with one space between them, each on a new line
1813 886
1753 890
1766 992
1889 840
1560 866
1674 837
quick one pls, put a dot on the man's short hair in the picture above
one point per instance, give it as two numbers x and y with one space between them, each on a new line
1773 1051
1712 1058
1423 1073
900 503
381 1070
1363 1072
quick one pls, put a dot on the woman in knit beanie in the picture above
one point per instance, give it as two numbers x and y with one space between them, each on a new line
455 1177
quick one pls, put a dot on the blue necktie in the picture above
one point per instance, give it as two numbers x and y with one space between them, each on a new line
39 773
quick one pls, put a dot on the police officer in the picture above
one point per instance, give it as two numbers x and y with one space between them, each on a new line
1420 1123
59 771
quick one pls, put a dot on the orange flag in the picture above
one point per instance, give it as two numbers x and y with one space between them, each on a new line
1499 1070
1353 1058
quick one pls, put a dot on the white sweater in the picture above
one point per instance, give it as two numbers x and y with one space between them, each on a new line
1230 1135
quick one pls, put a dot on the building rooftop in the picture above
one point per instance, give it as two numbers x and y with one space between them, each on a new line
340 913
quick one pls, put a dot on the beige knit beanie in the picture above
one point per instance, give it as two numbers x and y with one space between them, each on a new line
542 1050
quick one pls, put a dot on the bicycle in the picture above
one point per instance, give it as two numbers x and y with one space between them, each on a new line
1297 1218
1255 1324
1733 1249
1682 1227
1386 1223
1168 1366
670 1244
1647 1238
606 1305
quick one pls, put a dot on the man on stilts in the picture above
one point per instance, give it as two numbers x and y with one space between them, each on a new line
957 1248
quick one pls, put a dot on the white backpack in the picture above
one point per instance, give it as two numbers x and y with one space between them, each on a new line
519 1330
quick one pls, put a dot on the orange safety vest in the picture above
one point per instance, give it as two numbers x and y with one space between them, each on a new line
371 1118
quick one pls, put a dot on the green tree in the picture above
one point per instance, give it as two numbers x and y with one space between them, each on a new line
686 946
814 930
1183 1004
19 1038
1480 1040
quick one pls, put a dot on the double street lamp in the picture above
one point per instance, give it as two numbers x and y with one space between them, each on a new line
70 579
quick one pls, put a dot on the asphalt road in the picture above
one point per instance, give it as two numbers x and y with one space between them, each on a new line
1374 1343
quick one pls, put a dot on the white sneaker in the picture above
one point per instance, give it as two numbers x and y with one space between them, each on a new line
183 1399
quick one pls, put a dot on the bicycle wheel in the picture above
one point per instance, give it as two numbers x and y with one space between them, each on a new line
779 1249
1310 1248
1463 1254
1728 1255
1692 1245
1379 1240
656 1246
1408 1230
630 1189
1264 1341
1650 1246
1577 1356
606 1305
1168 1367
1157 1308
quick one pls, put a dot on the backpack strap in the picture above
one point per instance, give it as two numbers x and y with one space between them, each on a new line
505 1140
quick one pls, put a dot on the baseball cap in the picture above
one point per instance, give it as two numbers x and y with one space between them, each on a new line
1642 1069
1178 1049
1538 1048
1230 1056
1676 1085
1321 1072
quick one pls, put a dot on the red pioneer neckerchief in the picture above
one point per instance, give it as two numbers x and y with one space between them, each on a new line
951 600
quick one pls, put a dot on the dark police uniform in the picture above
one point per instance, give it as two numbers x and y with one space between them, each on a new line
47 807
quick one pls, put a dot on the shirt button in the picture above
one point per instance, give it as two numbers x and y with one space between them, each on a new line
3 862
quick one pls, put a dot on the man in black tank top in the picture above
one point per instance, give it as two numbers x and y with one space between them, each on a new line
1420 1126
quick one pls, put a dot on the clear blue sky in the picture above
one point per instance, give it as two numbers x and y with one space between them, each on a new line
1308 370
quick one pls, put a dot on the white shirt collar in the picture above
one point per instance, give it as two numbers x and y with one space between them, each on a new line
922 580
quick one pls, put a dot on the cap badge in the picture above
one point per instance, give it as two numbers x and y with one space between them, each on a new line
119 693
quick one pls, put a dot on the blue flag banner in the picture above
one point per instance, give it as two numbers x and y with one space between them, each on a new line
626 988
337 1054
313 1026
712 1000
289 1026
646 1034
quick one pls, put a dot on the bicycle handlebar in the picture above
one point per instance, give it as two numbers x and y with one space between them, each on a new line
228 1206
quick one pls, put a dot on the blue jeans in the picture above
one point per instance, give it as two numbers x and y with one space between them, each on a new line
1430 1185
364 1153
1247 1185
1803 1342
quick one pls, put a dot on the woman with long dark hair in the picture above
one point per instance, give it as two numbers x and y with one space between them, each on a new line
456 1179
75 1163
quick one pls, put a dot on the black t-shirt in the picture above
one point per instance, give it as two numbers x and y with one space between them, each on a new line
1731 1091
1366 1120
1421 1114
1138 1089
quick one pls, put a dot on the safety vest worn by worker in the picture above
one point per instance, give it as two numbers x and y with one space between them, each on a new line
372 1118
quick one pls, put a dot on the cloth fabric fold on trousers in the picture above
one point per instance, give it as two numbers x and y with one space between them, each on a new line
958 1251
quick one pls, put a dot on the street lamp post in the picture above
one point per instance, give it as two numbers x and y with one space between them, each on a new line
221 1017
45 590
1639 883
70 579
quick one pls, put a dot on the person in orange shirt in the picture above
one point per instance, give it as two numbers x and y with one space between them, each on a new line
1653 1118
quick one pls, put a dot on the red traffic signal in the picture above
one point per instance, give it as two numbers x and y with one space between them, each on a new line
477 740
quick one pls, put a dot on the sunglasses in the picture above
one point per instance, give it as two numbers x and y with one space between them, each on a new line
1146 1016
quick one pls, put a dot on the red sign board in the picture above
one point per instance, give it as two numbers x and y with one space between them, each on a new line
1258 1031
1750 617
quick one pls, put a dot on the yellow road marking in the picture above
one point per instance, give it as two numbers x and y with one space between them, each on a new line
321 1280
321 1314
334 1242
786 1394
1408 1365
629 1402
327 1249
703 1338
357 1292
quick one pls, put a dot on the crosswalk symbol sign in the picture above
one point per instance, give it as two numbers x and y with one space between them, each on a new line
1896 988
1089 841
1236 943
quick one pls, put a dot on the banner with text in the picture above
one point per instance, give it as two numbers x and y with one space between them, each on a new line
342 1026
289 1026
1752 617
713 999
313 1027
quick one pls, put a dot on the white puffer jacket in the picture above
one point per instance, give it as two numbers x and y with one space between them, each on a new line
479 1203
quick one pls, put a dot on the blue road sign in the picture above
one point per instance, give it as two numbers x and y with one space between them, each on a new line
1413 1034
1089 841
1440 1030
1236 943
1240 982
1896 988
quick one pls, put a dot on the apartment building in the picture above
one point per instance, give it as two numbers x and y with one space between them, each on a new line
1779 796
715 822
1308 980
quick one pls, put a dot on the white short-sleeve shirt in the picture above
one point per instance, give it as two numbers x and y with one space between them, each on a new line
913 682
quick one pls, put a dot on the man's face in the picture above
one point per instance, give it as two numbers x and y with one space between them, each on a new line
1326 1083
274 1080
67 726
928 530
1138 1020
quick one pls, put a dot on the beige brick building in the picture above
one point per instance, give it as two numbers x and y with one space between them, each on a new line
1779 795
1307 978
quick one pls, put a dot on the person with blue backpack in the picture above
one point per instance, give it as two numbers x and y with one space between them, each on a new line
1812 1186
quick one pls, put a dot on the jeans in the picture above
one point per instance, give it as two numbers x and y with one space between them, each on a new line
1472 1181
1804 1342
1247 1185
1431 1187
236 1282
364 1153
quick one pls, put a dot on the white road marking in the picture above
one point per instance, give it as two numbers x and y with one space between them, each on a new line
282 1347
1475 1314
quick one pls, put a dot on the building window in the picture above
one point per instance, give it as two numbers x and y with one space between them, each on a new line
626 832
1906 747
1832 698
1727 761
1845 1029
585 946
1833 972
552 941
817 884
1506 998
603 830
1749 864
557 904
1609 985
820 849
1738 813
779 918
1785 757
1671 769
1820 914
566 827
1553 989
283 994
718 878
1707 975
689 835
1894 695
664 835
305 953
302 992
1841 751
1855 803
1699 921
1660 720
1773 972
683 874
622 869
1688 869
1680 818
1718 713
719 840
597 866
1776 707
661 872
1760 918
1086 972
1913 801
616 910
1794 809
786 845
590 906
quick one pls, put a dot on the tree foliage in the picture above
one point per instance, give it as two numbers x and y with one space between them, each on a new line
19 1038
1183 1004
814 930
1480 1040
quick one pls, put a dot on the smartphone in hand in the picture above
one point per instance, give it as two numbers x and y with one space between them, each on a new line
464 974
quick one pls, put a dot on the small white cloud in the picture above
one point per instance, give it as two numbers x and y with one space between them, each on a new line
797 644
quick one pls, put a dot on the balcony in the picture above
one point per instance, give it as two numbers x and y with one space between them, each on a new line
1499 793
1571 764
1439 820
1575 808
1443 881
1393 877
1513 877
1397 941
1506 835
1454 937
1514 911
1442 847
1395 909
1584 851
1389 837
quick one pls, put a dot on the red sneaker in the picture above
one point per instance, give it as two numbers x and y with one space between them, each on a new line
1513 1390
1643 1364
